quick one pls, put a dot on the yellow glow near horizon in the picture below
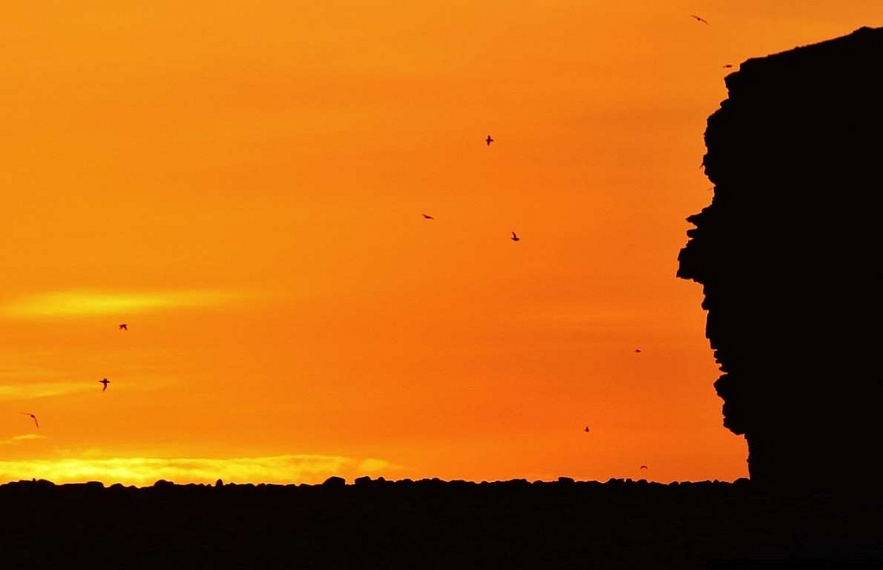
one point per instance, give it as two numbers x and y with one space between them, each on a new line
143 471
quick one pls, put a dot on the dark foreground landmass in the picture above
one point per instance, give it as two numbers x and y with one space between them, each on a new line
435 524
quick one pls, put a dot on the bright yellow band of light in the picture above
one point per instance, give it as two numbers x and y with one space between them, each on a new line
142 471
92 303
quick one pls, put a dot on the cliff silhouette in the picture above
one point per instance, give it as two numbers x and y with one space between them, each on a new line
788 255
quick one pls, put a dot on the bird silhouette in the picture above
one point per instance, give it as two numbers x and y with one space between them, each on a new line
489 140
427 217
33 417
587 429
515 237
637 350
643 466
698 19
728 66
124 327
104 381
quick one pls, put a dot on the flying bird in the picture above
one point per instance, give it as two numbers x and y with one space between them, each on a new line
124 327
33 417
637 350
515 237
698 19
643 466
728 66
104 381
587 429
427 217
489 140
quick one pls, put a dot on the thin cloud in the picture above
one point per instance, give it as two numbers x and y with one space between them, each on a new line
372 465
144 471
94 303
31 390
41 390
17 439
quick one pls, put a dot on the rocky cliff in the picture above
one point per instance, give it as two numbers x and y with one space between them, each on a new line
789 257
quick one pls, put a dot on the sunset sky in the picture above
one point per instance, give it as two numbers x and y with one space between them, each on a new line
243 184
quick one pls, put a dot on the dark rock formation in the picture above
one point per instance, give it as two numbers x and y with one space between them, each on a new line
335 481
788 254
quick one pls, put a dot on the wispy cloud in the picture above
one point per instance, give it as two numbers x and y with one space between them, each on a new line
24 386
17 439
96 303
41 390
143 471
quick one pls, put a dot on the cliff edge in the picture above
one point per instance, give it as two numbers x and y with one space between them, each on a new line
789 257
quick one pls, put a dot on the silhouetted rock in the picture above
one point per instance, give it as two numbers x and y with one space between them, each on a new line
788 254
334 481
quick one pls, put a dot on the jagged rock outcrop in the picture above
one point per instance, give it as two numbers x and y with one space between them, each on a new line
789 257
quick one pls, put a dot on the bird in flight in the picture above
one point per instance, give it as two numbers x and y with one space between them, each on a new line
698 19
587 429
124 327
104 381
728 66
637 350
427 217
489 140
33 417
515 237
643 466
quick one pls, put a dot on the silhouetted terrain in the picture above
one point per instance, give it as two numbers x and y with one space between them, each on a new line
428 524
788 254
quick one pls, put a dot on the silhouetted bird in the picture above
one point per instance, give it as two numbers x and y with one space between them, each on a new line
489 140
637 350
643 466
728 66
33 417
515 237
587 429
105 381
428 217
698 19
124 327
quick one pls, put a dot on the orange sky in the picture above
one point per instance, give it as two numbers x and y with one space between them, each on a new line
243 185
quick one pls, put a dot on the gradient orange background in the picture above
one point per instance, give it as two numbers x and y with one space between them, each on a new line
243 185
